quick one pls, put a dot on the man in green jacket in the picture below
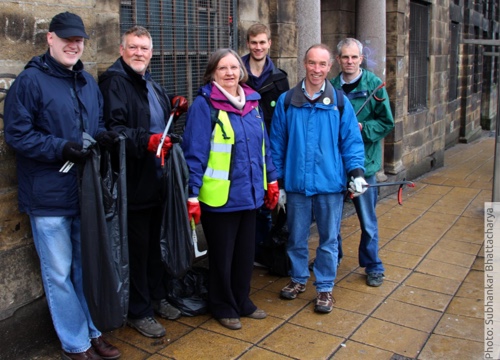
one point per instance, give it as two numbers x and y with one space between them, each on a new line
375 122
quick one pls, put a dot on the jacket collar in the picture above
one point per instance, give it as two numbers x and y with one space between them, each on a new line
326 99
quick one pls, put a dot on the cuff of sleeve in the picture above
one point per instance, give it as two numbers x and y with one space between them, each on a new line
356 173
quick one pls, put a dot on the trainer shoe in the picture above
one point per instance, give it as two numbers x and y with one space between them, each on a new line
374 279
165 309
105 349
291 291
324 302
147 326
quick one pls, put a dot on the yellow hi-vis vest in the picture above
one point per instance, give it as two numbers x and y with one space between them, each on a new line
216 183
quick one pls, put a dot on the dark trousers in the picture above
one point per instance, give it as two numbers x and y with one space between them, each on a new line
146 268
263 227
231 249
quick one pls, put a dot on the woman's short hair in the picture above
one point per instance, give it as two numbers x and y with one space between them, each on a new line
213 61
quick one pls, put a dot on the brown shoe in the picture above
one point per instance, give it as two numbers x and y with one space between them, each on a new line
324 302
230 323
291 291
90 354
105 349
257 314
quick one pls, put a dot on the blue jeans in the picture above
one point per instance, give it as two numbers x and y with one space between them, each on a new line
368 245
327 211
57 241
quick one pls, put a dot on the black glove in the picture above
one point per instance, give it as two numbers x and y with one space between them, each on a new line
73 152
107 139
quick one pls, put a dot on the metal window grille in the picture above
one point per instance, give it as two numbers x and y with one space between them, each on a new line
185 33
419 53
453 84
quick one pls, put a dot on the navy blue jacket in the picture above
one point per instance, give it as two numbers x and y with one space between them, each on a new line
47 106
274 84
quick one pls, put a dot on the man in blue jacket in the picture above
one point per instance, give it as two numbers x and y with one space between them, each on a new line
47 110
375 122
314 150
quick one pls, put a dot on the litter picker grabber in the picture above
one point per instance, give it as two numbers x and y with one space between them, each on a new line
400 190
372 95
197 253
159 151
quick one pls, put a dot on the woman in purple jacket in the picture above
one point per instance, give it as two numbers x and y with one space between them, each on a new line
231 176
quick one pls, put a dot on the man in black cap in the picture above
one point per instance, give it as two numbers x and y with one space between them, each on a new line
47 109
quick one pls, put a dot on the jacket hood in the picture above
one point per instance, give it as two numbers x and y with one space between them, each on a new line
47 64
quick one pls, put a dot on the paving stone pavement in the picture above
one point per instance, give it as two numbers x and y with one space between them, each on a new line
429 307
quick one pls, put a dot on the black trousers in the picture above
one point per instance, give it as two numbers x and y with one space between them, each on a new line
146 268
231 250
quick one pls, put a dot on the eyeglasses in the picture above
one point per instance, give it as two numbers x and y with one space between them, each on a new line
225 69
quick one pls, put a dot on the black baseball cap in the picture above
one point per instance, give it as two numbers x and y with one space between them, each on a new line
66 25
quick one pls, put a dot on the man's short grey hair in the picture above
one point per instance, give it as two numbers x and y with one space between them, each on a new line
138 31
348 42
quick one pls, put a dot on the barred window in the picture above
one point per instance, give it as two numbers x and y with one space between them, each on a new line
185 33
419 53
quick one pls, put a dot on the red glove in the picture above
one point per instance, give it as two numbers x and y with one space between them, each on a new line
182 106
154 142
194 210
272 195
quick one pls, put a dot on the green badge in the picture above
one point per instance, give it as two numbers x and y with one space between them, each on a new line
273 103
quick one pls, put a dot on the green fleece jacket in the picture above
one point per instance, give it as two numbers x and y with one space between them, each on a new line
376 117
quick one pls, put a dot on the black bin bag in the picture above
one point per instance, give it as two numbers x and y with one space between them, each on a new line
176 243
272 251
104 238
189 293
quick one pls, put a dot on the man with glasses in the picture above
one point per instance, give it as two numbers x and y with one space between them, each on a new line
136 106
375 122
47 110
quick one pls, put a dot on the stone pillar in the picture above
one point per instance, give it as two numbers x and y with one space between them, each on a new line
309 28
371 31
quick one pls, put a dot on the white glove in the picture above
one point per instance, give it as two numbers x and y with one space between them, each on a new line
282 200
357 186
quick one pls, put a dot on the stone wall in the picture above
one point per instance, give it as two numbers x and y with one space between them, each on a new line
280 17
24 317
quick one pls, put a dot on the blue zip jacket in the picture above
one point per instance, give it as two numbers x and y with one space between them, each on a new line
47 106
246 175
311 149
